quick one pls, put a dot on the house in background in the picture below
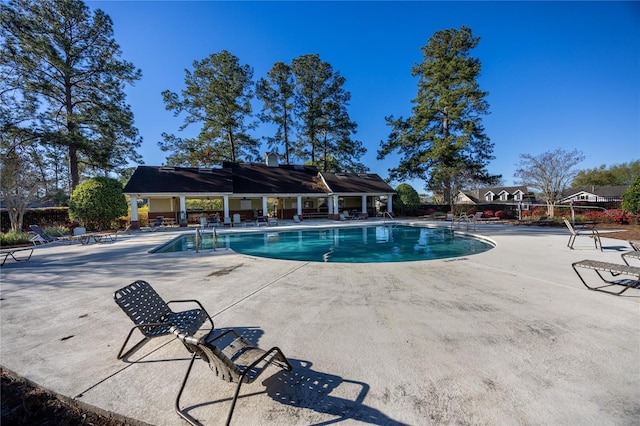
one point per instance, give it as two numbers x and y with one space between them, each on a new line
251 190
496 195
593 194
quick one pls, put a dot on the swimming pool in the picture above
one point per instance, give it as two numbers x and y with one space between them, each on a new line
366 244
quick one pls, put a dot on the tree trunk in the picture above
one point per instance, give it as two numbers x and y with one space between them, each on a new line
286 135
550 209
232 146
73 167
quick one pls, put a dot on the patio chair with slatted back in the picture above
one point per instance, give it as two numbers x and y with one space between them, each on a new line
591 233
153 316
239 361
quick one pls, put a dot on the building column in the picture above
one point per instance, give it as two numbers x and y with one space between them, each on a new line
364 204
135 223
389 203
329 202
265 208
336 207
183 211
225 205
299 205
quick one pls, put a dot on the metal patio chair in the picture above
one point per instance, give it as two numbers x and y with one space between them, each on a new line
239 361
153 316
591 233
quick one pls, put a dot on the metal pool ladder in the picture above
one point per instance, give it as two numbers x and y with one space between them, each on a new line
199 239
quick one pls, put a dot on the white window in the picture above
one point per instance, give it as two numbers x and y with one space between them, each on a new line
489 196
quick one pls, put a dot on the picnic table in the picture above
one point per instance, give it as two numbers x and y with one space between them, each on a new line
169 221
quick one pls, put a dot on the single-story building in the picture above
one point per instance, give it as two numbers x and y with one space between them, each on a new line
251 190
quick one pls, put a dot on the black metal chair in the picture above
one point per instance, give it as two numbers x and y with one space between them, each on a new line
239 361
153 316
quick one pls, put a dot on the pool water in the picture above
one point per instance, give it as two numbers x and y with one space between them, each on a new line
368 244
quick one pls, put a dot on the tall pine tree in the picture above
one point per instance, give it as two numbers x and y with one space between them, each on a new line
68 63
218 97
443 141
276 93
325 128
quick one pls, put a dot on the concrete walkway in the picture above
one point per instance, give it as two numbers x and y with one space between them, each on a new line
509 336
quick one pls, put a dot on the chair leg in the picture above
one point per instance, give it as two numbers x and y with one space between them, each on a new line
596 240
235 398
181 413
134 348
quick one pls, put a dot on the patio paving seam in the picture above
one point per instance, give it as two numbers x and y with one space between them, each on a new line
260 289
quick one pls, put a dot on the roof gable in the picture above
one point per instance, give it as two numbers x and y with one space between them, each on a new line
369 183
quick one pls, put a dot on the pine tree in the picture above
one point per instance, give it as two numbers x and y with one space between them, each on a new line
276 93
325 128
217 96
443 141
68 62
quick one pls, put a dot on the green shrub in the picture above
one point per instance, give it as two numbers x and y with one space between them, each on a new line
631 197
97 202
55 231
406 199
12 238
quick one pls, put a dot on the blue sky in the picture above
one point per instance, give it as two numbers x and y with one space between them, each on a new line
559 74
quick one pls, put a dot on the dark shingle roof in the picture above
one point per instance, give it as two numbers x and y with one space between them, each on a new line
601 191
249 178
356 183
155 180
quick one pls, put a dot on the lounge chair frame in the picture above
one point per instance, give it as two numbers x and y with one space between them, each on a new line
41 237
612 268
153 317
635 254
11 253
240 362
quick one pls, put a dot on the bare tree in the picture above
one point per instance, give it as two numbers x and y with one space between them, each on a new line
20 183
549 173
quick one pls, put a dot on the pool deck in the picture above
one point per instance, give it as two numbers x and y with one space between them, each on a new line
509 336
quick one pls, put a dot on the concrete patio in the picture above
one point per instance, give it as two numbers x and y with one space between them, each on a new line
509 336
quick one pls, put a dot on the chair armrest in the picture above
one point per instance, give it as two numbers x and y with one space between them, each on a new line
189 301
232 331
284 363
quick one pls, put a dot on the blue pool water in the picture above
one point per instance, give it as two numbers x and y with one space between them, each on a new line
369 244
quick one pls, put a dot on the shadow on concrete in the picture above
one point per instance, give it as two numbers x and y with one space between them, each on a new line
305 388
